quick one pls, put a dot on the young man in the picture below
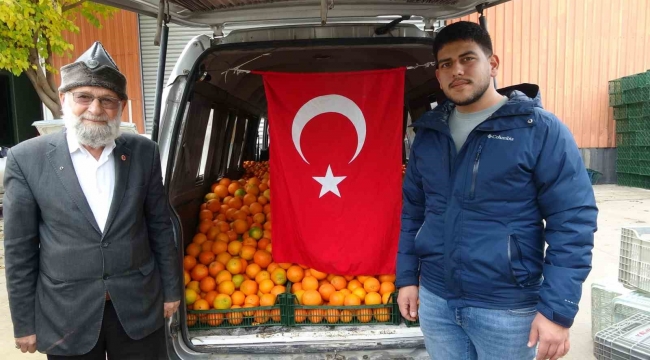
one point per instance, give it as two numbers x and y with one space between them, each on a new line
92 267
491 178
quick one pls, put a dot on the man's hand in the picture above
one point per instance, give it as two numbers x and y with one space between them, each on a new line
553 338
171 307
26 343
407 299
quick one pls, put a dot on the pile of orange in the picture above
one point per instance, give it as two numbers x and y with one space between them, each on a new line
229 264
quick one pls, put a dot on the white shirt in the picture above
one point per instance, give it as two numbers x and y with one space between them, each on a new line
96 177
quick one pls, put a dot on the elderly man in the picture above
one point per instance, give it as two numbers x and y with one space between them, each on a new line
91 260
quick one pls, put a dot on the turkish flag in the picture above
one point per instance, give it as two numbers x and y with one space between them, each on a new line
335 160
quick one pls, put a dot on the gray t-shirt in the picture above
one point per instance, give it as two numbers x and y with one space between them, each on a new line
461 124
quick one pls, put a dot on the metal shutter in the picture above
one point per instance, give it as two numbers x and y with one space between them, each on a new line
179 36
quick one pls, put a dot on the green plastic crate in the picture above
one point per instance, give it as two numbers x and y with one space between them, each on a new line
237 318
637 110
623 126
639 138
627 166
620 112
625 153
635 81
302 315
633 180
637 95
410 323
616 99
642 152
640 124
615 87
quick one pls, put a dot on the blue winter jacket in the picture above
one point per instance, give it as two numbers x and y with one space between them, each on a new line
474 222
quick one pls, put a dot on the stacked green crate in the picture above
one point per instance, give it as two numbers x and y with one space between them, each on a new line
630 98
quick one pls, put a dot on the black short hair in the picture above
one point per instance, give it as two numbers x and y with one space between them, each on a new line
462 31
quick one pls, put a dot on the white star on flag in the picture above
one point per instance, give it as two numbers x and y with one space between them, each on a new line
329 182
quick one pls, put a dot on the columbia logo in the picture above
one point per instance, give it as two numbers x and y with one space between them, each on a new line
499 137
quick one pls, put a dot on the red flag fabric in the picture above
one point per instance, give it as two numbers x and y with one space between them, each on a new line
335 160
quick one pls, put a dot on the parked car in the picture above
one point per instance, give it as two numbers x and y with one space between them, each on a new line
300 36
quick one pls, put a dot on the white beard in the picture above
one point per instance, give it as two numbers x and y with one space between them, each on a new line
95 135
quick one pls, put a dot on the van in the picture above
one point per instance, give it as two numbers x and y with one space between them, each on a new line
212 119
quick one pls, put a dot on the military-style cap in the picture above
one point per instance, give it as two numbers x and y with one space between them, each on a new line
93 68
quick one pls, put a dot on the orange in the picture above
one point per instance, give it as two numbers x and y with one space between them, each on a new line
194 285
316 315
234 247
232 236
307 272
214 319
207 284
238 298
265 286
385 298
193 249
364 315
203 206
267 234
190 296
337 298
249 199
323 282
372 298
262 200
234 186
222 302
352 300
240 226
252 300
259 218
360 292
201 304
192 319
326 291
295 287
213 205
199 272
226 287
256 208
199 238
267 225
339 282
330 277
371 285
221 191
210 296
278 289
240 215
189 262
187 278
248 313
300 315
261 316
353 284
252 189
272 266
295 273
207 246
262 258
230 214
267 300
250 242
223 226
212 233
318 274
238 280
279 276
220 246
240 193
263 243
262 275
252 270
346 316
256 232
247 252
225 181
362 278
386 288
275 315
332 316
267 207
235 318
223 275
382 314
206 214
311 298
345 291
235 266
298 294
387 278
309 283
224 257
236 202
206 257
205 225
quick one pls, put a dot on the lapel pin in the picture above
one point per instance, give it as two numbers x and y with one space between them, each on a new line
123 158
61 168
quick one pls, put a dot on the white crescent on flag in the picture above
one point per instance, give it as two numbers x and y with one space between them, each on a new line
326 104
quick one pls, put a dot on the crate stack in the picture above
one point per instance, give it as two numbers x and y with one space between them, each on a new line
621 316
630 98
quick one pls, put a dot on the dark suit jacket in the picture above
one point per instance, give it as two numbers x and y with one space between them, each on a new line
59 264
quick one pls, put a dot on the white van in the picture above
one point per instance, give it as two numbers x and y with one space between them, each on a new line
299 36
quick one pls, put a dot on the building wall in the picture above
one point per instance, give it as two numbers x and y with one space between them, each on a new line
572 49
120 37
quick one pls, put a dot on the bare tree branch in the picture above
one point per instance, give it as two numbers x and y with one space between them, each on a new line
52 104
72 6
50 76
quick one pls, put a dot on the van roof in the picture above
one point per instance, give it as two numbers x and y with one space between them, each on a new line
203 13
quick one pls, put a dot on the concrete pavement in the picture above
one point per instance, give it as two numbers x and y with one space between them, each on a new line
619 207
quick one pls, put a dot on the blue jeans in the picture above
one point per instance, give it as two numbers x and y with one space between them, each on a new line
474 333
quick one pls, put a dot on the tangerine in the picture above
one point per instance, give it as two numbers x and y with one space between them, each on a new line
199 272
